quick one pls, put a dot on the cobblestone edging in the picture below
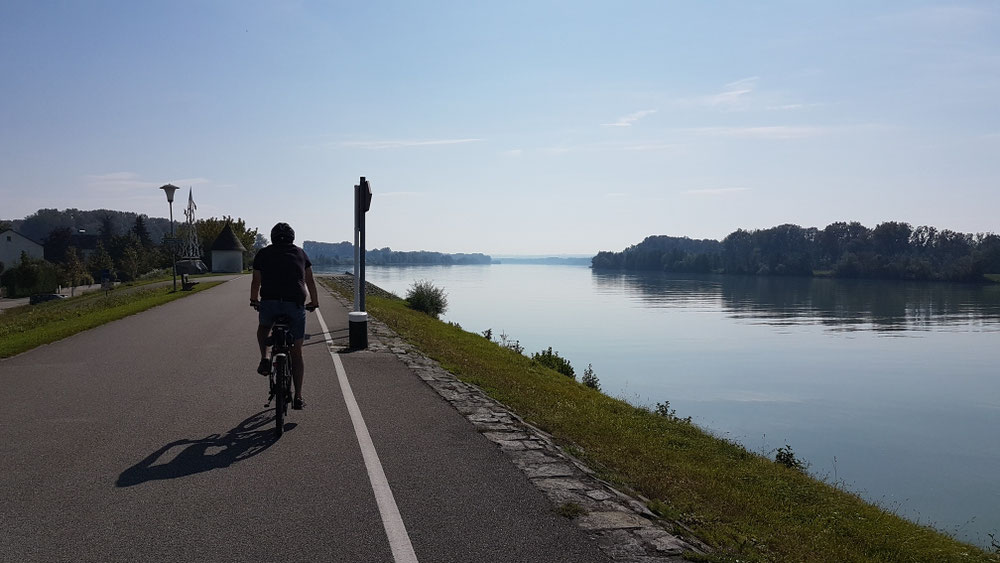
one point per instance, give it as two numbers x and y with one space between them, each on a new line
623 527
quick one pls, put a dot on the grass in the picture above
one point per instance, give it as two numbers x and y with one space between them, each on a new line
993 277
23 328
747 507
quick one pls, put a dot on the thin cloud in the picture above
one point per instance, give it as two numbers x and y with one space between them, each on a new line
630 119
785 107
379 145
734 95
117 181
610 147
776 133
650 147
715 191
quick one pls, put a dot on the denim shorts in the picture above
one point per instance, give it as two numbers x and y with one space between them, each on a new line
271 309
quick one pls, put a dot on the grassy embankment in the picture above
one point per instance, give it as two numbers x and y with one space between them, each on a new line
747 507
23 328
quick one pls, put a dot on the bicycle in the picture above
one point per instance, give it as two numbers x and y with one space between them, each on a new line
280 341
280 380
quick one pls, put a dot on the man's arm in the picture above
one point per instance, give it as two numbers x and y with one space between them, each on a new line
255 286
311 284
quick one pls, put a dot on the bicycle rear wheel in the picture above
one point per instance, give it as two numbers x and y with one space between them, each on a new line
280 392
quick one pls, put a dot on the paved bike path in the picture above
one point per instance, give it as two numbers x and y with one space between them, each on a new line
147 439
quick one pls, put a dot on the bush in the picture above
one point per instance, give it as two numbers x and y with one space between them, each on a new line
32 275
785 456
553 360
424 297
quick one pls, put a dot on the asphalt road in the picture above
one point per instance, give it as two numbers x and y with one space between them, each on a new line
147 439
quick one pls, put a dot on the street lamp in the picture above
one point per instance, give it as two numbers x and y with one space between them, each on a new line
169 189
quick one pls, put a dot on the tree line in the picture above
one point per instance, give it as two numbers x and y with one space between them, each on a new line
891 250
342 253
122 244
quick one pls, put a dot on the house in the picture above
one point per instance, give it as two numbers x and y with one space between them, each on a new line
227 251
13 243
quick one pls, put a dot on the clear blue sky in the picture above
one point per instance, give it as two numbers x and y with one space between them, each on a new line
507 127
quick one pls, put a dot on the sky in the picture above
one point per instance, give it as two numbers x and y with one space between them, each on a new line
535 127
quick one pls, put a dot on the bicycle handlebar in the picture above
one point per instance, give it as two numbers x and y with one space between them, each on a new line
255 305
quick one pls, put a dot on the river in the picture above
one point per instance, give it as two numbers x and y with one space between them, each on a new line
889 389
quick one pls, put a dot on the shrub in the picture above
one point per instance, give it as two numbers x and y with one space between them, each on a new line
424 297
663 409
785 456
590 378
553 360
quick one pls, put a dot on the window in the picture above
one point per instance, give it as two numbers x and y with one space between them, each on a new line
8 238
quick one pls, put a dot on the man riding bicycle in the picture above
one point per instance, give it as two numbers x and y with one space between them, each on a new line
281 274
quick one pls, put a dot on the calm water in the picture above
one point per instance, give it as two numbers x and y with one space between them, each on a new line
891 389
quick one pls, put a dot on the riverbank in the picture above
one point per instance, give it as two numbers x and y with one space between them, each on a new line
746 506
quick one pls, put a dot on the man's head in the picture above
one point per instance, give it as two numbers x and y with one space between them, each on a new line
282 233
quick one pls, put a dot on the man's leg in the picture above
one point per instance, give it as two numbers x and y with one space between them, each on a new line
298 368
264 367
262 331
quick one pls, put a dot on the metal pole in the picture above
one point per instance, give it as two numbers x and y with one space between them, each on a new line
357 248
173 248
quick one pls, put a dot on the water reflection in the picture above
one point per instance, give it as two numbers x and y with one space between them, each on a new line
840 305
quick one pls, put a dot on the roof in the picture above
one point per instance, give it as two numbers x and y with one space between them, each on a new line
22 236
227 240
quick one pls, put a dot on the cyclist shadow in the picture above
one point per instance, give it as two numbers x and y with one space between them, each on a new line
249 438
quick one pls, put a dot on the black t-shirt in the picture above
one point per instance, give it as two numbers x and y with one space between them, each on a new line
282 272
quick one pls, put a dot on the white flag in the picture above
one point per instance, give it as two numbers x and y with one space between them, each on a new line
191 204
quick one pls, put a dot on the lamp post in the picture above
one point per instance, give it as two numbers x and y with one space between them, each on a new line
169 189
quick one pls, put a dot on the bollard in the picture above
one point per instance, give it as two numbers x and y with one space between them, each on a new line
357 330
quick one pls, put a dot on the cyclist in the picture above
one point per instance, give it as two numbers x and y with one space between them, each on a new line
281 274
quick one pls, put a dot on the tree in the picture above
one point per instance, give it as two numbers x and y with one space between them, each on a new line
891 238
131 262
107 230
74 272
99 261
141 232
57 243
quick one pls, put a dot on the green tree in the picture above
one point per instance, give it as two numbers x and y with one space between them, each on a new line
56 244
73 271
141 232
132 262
99 261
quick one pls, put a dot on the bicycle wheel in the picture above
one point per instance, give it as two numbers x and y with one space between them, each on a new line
280 400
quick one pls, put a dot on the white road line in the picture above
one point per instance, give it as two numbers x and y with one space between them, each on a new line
399 540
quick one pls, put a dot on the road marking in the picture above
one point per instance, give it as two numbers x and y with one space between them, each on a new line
399 540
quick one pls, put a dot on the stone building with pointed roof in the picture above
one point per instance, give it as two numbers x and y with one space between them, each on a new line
227 251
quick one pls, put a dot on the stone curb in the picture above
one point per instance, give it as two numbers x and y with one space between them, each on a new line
625 530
